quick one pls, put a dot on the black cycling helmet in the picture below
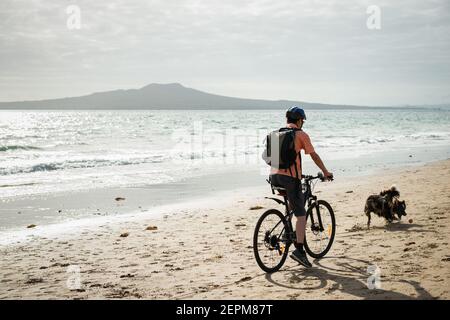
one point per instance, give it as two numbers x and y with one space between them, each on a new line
295 113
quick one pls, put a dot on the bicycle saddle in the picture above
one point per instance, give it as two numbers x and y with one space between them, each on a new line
281 191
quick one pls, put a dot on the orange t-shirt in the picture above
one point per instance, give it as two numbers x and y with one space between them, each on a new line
302 141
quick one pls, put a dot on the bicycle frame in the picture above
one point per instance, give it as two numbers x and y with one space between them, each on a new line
311 200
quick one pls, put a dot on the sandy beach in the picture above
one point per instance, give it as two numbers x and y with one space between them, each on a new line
205 251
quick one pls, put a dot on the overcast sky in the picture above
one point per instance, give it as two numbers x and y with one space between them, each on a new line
318 51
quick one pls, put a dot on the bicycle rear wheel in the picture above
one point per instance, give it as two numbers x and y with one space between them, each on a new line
320 229
270 241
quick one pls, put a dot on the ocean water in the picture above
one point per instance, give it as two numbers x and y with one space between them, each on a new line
63 169
51 151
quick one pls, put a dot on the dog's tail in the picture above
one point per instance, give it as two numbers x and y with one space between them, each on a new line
392 191
395 192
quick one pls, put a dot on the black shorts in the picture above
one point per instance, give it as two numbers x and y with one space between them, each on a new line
294 194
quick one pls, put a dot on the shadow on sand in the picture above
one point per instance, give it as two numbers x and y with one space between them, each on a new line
392 227
344 275
405 227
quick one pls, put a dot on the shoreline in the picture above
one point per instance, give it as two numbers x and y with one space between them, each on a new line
206 253
65 229
16 213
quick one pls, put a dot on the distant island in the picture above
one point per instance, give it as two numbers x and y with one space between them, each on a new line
163 96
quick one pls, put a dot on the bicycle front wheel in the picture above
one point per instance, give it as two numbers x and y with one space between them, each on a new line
320 229
270 241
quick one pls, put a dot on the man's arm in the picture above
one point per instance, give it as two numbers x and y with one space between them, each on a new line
319 163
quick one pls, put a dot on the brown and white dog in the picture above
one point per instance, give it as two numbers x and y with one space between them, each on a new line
386 205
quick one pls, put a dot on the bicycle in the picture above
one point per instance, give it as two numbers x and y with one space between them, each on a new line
320 228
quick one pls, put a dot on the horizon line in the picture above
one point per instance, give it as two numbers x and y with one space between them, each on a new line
447 104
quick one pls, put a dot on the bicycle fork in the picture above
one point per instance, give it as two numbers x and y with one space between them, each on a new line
319 225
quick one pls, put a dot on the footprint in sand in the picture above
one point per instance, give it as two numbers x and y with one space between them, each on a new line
176 269
34 280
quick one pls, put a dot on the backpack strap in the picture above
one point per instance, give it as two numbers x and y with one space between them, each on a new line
296 171
299 155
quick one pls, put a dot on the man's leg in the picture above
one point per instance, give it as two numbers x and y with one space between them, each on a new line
298 206
297 200
300 228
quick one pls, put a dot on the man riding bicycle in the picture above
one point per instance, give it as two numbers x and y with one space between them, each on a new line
289 179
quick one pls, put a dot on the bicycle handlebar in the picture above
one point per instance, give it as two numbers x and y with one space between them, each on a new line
319 176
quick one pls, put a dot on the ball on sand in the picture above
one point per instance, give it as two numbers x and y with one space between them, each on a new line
410 220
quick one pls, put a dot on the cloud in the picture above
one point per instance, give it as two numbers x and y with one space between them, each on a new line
312 50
